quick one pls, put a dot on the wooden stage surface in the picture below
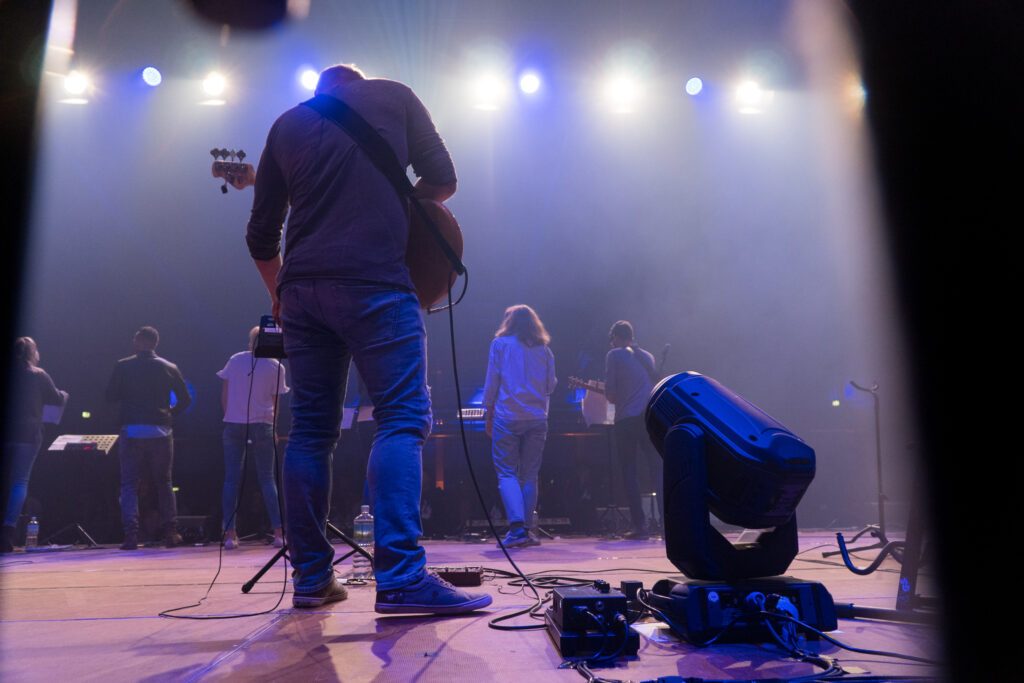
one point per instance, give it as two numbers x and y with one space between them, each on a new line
92 615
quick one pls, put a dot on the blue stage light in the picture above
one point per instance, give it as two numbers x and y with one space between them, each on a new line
694 86
152 77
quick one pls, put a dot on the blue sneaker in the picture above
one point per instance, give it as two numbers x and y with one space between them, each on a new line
517 538
430 595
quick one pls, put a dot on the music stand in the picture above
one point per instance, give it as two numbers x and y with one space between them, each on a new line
81 443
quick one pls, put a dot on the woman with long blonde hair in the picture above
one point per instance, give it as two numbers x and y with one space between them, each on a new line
520 380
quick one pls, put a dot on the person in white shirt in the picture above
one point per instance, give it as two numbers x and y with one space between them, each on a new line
248 396
520 380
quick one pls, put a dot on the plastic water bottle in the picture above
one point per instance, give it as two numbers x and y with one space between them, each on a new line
32 533
363 526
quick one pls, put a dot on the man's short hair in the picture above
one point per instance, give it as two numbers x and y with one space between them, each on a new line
339 74
147 336
622 329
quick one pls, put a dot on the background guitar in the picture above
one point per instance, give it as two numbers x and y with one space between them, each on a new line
595 407
588 384
431 271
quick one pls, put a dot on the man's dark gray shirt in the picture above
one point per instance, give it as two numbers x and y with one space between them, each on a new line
143 384
629 379
346 221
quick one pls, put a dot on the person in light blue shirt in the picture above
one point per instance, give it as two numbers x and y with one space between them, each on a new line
520 380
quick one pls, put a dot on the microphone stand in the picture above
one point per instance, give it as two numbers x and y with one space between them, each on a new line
875 530
248 585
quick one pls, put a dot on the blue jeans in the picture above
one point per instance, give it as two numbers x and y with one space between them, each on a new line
20 458
517 447
140 458
261 450
326 324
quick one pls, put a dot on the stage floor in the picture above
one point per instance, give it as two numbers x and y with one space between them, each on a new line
88 615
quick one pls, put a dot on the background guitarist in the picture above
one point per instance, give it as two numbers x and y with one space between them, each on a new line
629 378
342 291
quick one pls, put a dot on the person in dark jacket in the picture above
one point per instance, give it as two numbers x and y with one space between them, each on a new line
32 388
143 385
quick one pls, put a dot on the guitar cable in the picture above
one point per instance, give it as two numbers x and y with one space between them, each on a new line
169 613
493 623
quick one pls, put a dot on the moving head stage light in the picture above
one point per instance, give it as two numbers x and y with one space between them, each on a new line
725 456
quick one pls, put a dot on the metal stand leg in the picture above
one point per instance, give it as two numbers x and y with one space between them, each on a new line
82 534
248 585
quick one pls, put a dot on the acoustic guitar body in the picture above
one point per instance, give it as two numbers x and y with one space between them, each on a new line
431 271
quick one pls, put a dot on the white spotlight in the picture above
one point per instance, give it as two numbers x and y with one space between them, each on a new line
76 83
308 79
694 86
622 93
152 76
489 92
529 82
751 98
214 84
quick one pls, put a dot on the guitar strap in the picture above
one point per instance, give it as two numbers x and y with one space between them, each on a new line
642 360
383 157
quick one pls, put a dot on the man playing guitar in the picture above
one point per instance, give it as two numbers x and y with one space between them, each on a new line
629 378
342 292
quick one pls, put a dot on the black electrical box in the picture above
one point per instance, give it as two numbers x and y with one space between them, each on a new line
590 621
701 610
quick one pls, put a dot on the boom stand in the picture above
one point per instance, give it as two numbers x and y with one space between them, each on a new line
876 530
248 585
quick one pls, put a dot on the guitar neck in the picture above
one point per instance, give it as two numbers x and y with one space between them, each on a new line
590 385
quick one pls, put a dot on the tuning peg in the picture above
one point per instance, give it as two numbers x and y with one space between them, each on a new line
214 152
241 155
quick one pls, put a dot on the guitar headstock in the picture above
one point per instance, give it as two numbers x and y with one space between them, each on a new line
228 164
